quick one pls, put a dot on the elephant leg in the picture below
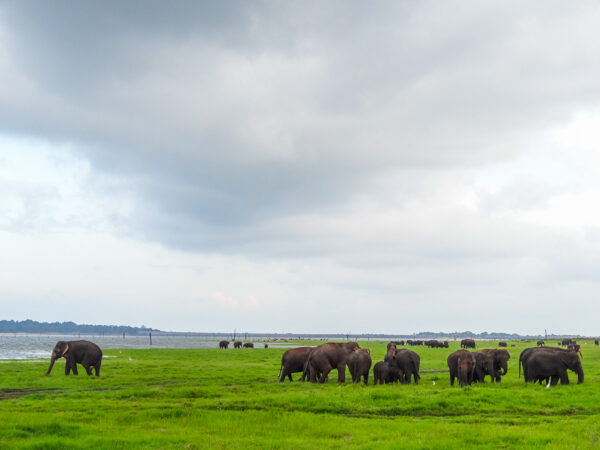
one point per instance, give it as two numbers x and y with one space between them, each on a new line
87 368
74 368
290 377
366 379
68 367
564 378
451 379
341 368
97 369
325 374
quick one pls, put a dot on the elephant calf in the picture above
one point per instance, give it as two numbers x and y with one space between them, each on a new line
386 373
359 364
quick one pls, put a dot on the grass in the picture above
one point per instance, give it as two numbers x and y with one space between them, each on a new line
231 399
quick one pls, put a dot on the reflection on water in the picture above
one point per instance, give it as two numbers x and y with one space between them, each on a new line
40 346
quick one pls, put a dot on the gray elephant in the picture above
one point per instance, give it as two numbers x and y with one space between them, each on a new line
293 360
467 343
237 344
407 362
552 366
326 357
529 352
500 357
484 365
461 365
386 373
223 344
82 352
359 364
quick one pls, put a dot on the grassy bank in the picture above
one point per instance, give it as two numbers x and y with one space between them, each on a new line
231 399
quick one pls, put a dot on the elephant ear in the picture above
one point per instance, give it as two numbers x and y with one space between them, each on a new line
66 350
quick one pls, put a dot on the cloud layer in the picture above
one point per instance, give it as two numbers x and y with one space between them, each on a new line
393 167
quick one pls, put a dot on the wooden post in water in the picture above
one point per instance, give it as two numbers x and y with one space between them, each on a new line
150 335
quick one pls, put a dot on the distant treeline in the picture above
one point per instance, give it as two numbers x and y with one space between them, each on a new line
31 326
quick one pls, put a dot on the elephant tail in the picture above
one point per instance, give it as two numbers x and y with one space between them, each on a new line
280 370
519 367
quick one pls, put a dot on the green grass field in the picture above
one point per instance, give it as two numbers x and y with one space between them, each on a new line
232 399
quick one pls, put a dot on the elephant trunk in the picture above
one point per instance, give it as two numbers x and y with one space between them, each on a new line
463 375
580 375
51 365
504 367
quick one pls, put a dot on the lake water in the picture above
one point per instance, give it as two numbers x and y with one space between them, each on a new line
40 346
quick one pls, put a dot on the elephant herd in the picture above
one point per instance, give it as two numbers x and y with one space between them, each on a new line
315 363
548 364
238 344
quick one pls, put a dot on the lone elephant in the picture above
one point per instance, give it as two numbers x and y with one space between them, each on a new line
85 353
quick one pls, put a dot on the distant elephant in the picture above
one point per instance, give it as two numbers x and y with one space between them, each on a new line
596 342
266 345
502 344
407 362
325 357
224 344
484 365
292 361
248 345
461 365
540 343
237 344
85 353
386 373
359 364
552 366
467 343
529 352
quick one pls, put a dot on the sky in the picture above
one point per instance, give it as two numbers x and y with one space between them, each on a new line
307 167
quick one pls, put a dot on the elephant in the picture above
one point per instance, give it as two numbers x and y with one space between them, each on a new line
467 343
266 345
529 352
237 344
596 342
502 344
248 345
223 344
386 373
484 365
85 353
552 366
407 362
500 358
293 360
540 343
359 364
325 357
461 365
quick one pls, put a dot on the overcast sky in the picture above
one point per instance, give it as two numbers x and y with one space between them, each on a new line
302 166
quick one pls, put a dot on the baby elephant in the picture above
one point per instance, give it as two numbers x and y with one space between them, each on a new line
85 353
359 364
386 373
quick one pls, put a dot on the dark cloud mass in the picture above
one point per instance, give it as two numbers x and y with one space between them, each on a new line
360 132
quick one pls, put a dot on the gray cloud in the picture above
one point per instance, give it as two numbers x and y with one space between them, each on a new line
338 130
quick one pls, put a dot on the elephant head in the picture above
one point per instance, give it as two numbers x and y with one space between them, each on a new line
502 357
61 350
572 361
